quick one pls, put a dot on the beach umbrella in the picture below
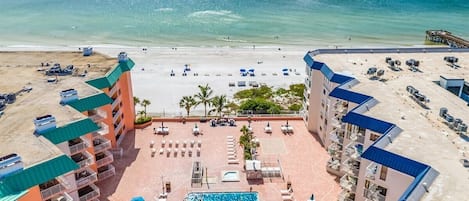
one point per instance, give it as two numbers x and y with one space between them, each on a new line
285 69
242 70
138 198
163 126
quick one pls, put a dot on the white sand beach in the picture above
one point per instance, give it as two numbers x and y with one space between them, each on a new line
151 74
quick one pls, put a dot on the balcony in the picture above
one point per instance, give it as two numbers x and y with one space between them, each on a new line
116 115
337 124
61 197
371 171
83 159
336 137
52 188
113 90
351 167
334 150
77 145
86 176
357 137
97 115
100 144
115 103
118 127
373 194
88 193
104 158
354 150
346 196
106 172
333 164
103 130
348 183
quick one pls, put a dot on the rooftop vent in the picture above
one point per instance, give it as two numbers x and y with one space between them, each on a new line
68 95
10 164
44 123
122 57
87 51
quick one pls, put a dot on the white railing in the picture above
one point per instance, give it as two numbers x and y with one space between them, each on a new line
91 178
103 145
352 151
371 171
373 195
106 160
52 190
344 195
98 115
116 102
350 168
111 171
118 128
347 184
113 90
116 116
79 146
357 137
86 161
91 195
334 136
104 130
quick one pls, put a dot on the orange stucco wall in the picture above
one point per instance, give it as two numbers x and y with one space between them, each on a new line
125 82
34 194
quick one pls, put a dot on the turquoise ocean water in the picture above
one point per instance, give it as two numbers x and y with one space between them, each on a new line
228 22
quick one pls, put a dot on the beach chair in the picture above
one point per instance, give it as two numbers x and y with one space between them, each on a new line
192 143
286 192
199 143
163 142
176 144
184 144
152 143
170 143
288 198
232 157
161 151
232 162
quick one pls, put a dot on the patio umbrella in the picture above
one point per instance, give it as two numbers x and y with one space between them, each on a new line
162 125
268 124
138 198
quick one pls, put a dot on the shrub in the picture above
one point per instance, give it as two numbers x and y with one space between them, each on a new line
297 89
142 120
295 107
261 92
260 106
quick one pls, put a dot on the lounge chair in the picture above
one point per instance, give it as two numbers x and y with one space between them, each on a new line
236 161
161 151
286 192
176 144
152 143
231 157
288 197
199 143
163 142
170 143
192 143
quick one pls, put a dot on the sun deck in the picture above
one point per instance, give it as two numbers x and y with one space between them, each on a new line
301 157
425 138
19 70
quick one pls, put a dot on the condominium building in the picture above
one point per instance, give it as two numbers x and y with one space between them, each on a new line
394 121
61 123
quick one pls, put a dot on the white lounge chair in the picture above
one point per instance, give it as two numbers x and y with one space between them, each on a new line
176 144
231 157
163 142
236 161
184 143
288 198
286 192
192 143
161 151
199 143
170 143
152 143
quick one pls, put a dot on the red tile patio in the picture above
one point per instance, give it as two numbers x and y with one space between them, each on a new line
303 162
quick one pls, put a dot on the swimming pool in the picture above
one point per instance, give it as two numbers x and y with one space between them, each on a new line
223 196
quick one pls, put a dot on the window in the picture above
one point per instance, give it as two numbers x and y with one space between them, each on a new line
384 172
320 128
373 137
325 122
324 91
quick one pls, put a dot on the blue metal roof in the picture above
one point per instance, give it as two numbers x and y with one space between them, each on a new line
338 78
370 123
347 95
394 161
308 59
413 185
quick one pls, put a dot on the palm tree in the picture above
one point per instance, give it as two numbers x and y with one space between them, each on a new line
141 113
187 102
203 97
136 100
220 103
144 104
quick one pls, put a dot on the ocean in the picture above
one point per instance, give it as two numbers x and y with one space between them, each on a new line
236 23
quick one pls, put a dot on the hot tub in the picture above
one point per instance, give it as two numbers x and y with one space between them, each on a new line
230 176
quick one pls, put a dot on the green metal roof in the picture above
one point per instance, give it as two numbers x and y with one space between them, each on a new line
71 131
16 185
91 102
111 77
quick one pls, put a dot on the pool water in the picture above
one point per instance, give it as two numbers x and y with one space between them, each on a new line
225 196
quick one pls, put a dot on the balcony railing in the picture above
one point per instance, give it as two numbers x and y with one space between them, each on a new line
334 150
86 176
334 164
345 195
77 145
373 195
351 167
335 137
97 115
88 193
104 158
62 197
371 171
348 183
83 159
100 144
357 137
51 188
103 130
113 90
354 150
118 127
116 115
107 171
115 102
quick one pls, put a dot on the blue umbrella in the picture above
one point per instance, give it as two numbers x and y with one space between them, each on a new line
251 70
242 70
285 69
138 198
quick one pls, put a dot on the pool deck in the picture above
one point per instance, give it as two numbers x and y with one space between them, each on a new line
303 162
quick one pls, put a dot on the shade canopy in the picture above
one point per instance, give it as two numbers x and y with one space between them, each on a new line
285 69
251 70
242 70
